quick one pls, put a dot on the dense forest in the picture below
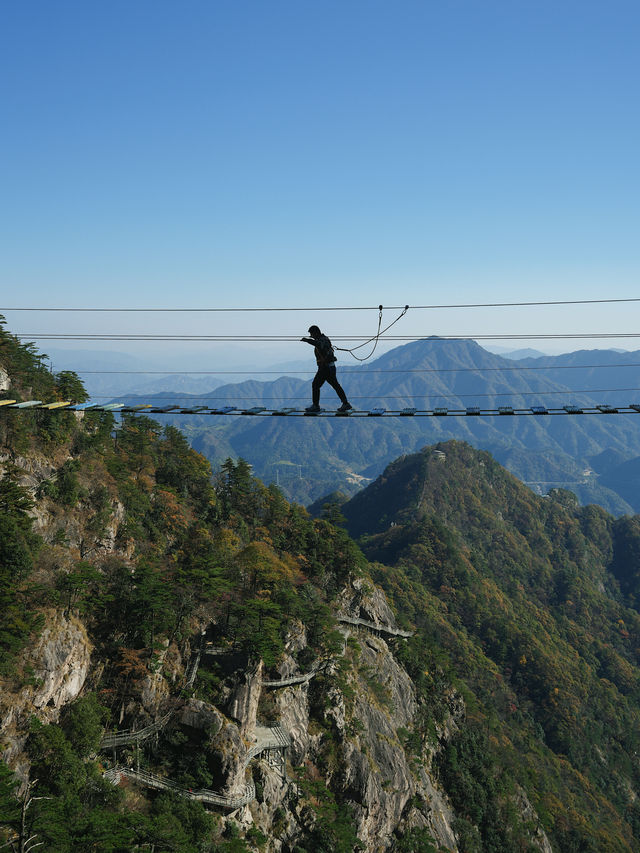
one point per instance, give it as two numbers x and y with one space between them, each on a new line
462 674
534 604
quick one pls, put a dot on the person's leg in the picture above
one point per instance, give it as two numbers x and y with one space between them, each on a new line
332 379
318 381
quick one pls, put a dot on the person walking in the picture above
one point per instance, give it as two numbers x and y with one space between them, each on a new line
326 361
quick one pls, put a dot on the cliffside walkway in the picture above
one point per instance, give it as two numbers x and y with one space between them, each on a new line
272 740
150 780
192 669
125 736
301 678
438 412
375 626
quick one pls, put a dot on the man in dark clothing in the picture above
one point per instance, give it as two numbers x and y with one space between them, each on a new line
326 361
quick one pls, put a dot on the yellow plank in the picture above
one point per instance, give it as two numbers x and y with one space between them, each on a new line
55 405
7 402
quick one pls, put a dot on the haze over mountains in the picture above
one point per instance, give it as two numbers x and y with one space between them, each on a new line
310 457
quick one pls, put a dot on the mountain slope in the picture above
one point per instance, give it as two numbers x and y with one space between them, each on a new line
528 598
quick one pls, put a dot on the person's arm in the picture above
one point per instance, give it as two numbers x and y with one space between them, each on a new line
312 341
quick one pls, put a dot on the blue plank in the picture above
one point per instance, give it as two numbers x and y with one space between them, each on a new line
505 410
408 412
539 410
440 411
82 407
473 410
28 404
375 413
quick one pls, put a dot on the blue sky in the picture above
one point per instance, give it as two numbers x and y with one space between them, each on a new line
224 154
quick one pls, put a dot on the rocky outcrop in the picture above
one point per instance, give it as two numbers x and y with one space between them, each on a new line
201 715
35 469
155 688
292 710
225 747
527 811
243 702
271 811
380 779
60 663
5 381
362 600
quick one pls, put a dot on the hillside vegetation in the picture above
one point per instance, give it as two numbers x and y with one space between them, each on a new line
142 593
533 602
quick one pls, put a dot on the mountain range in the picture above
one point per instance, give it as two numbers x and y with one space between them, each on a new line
307 458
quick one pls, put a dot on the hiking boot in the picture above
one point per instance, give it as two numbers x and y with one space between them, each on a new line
313 410
345 407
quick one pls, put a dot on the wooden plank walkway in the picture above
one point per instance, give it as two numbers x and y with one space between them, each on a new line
263 411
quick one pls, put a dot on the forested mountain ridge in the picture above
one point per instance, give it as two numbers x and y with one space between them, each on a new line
536 602
186 613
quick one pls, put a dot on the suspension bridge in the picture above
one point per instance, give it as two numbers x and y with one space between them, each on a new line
238 411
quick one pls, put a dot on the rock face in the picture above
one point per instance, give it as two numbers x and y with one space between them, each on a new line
60 661
365 712
292 709
201 715
225 748
155 688
243 703
379 778
362 600
5 382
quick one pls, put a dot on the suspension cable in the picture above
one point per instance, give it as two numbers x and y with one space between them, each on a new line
357 371
72 336
435 306
426 396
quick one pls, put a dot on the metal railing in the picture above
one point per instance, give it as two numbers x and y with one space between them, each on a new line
203 795
125 736
374 626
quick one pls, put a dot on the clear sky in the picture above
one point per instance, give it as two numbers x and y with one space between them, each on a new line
295 153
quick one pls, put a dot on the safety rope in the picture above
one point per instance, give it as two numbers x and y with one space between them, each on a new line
375 338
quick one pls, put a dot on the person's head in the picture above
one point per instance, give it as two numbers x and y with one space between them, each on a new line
314 331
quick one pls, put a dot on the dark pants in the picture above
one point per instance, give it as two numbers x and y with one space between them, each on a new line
326 373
